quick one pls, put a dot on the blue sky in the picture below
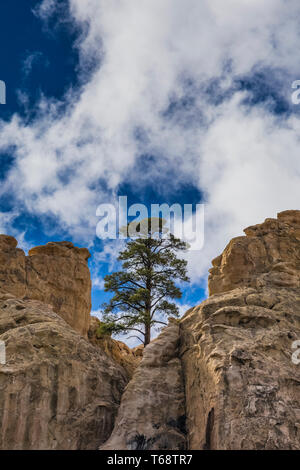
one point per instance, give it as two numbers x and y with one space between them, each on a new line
154 100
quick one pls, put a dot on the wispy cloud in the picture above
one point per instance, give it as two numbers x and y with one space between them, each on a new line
152 92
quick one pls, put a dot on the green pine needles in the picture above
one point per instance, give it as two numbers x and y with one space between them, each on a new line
145 287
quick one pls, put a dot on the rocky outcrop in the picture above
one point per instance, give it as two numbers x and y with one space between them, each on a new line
128 358
242 388
12 267
220 378
232 353
152 411
269 255
56 274
57 391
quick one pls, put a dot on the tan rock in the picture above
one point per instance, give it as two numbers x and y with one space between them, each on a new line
242 388
269 255
57 391
138 350
152 411
56 274
128 358
12 267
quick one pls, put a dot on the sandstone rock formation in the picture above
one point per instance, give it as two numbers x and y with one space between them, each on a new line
232 353
57 391
267 256
152 411
221 378
242 388
12 267
56 274
128 358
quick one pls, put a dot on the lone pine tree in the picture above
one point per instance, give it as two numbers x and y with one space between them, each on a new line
145 286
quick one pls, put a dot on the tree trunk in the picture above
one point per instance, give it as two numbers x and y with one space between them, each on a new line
147 334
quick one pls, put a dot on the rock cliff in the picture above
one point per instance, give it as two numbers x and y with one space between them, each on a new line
220 378
152 412
128 358
242 388
56 274
232 353
57 391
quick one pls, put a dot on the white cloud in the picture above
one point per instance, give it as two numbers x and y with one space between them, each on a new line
98 283
244 159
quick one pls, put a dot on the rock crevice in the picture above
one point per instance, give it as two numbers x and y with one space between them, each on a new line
152 412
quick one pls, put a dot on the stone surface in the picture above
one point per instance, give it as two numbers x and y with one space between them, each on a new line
269 255
56 274
12 267
221 378
152 411
57 391
242 388
128 358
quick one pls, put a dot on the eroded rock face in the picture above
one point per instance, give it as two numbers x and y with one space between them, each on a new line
128 358
269 255
221 378
12 267
152 411
57 391
242 388
56 274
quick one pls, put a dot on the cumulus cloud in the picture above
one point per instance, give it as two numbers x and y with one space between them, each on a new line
149 94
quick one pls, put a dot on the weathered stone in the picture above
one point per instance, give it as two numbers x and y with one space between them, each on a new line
226 366
242 388
269 255
58 274
12 267
57 391
152 411
128 358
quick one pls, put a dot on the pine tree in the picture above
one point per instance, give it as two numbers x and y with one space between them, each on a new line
144 288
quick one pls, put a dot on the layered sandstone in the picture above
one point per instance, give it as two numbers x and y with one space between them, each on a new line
57 391
152 410
56 274
242 389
